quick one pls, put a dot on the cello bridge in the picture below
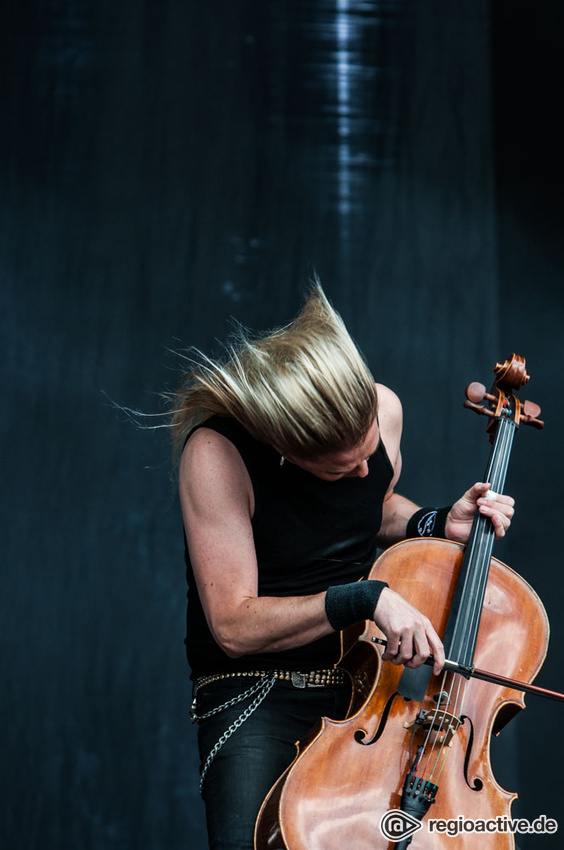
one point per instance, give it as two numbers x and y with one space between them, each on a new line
441 721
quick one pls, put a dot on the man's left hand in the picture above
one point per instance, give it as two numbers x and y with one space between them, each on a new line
498 508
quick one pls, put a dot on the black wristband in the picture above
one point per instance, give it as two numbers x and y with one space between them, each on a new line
346 604
428 522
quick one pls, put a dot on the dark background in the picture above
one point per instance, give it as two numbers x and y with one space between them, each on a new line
167 165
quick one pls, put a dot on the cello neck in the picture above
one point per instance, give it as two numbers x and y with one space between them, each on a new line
464 620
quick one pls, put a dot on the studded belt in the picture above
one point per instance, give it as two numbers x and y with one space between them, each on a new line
310 679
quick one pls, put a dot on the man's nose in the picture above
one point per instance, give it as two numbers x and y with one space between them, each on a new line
360 471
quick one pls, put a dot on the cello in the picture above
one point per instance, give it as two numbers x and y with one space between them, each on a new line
410 763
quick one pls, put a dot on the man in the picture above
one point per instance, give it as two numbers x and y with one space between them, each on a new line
290 455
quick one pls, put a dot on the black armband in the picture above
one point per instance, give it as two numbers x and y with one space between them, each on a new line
346 604
428 522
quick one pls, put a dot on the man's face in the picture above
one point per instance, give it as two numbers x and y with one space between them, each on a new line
350 463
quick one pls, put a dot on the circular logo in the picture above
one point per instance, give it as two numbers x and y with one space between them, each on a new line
396 825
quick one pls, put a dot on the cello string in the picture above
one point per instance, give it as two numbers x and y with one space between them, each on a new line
445 720
457 711
496 475
427 745
437 725
438 748
442 727
479 549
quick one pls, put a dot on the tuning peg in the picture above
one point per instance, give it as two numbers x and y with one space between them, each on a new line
476 392
531 409
530 413
479 408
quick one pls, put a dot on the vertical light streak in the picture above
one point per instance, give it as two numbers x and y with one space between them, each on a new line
343 111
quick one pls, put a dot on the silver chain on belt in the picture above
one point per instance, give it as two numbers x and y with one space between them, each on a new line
261 689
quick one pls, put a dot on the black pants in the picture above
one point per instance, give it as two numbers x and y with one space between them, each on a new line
256 753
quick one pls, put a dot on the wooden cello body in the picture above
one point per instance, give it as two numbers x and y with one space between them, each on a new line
349 773
410 764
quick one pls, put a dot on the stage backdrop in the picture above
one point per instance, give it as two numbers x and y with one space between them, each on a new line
166 166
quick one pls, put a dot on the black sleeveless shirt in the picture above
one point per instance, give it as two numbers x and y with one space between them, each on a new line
309 534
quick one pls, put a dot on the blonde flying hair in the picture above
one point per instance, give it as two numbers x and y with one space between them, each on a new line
304 388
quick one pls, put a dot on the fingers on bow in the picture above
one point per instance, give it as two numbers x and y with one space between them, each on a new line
414 646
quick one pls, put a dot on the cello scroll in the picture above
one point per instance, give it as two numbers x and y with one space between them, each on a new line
511 375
